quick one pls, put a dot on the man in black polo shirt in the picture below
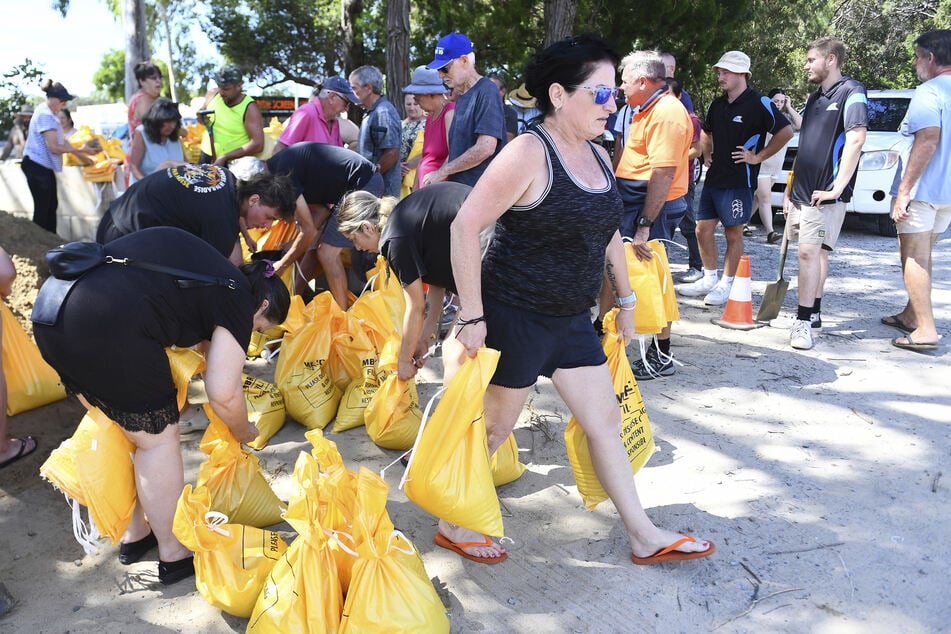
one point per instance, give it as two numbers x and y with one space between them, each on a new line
733 141
834 123
321 174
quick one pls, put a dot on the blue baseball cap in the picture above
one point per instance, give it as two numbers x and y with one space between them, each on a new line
341 86
449 48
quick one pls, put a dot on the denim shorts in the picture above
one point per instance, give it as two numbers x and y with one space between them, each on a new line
732 207
533 345
664 225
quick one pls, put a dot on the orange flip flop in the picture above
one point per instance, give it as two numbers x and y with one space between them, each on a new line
672 554
442 540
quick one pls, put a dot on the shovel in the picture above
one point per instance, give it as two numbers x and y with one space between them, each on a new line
775 292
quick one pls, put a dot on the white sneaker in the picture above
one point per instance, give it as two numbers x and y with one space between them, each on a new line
701 287
719 295
800 335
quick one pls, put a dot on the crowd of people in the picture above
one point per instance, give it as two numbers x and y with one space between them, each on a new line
512 208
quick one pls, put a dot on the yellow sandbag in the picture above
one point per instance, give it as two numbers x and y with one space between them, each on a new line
31 382
353 404
448 473
324 451
302 593
234 479
184 364
393 415
370 310
650 317
336 490
267 340
382 280
409 179
349 348
389 589
265 408
666 280
106 475
635 428
310 396
232 561
505 464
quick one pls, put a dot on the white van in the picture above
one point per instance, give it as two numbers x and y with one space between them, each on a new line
879 160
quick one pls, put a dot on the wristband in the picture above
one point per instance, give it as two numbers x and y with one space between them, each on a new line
631 307
624 301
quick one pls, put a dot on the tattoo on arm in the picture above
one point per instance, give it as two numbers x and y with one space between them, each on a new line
609 270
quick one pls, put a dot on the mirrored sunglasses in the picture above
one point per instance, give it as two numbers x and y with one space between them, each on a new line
602 94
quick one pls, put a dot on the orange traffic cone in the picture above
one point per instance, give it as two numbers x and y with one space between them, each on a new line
738 313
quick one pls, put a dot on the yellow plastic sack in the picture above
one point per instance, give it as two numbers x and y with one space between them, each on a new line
505 464
382 280
353 404
389 589
371 312
310 396
184 364
350 346
265 408
393 415
234 479
666 280
232 561
267 340
635 428
650 316
448 473
337 492
302 593
409 179
31 382
324 451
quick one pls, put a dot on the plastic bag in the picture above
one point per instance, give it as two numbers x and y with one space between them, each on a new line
31 382
393 415
310 396
232 561
666 281
302 593
505 464
234 479
265 408
389 589
650 316
448 473
635 428
381 279
371 312
353 404
184 364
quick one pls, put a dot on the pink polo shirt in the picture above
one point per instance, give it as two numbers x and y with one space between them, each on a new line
308 124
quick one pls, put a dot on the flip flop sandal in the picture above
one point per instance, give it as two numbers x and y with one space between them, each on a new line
911 344
442 540
672 554
895 322
23 453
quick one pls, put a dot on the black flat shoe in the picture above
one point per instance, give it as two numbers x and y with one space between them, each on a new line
170 572
134 551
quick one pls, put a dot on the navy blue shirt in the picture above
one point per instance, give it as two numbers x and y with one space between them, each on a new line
825 120
478 111
743 122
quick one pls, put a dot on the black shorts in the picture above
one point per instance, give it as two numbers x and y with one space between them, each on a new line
532 344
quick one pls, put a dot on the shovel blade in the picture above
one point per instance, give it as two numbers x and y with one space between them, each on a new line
773 298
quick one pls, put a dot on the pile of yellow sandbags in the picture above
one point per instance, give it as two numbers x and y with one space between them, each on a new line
191 141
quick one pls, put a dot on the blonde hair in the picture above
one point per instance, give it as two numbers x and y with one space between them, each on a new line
359 207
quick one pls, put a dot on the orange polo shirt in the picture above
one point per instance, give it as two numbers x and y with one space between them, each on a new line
660 136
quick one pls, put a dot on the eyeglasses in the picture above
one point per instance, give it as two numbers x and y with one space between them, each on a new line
445 69
346 102
602 94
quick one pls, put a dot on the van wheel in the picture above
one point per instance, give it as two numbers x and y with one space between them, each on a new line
886 227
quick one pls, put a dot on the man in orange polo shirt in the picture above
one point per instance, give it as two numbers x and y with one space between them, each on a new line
652 175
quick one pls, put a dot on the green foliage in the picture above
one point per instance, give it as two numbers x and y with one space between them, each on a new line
13 83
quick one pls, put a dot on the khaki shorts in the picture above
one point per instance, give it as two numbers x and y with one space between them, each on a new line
925 217
815 225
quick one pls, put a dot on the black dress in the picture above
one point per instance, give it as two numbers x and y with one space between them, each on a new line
109 342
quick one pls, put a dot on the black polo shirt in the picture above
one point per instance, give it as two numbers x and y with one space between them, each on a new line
322 173
744 122
828 115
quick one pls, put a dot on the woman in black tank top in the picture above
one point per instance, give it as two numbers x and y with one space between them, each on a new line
556 211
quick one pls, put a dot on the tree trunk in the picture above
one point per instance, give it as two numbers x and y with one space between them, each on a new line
397 51
163 7
559 20
351 51
136 42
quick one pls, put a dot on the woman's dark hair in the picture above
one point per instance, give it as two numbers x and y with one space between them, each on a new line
144 70
271 289
162 110
674 86
68 116
275 191
775 91
568 62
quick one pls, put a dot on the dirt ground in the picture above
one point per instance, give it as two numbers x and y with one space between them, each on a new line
819 475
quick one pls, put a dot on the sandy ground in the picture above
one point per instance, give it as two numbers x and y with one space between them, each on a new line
819 475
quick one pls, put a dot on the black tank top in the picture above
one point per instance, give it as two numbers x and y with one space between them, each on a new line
548 256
